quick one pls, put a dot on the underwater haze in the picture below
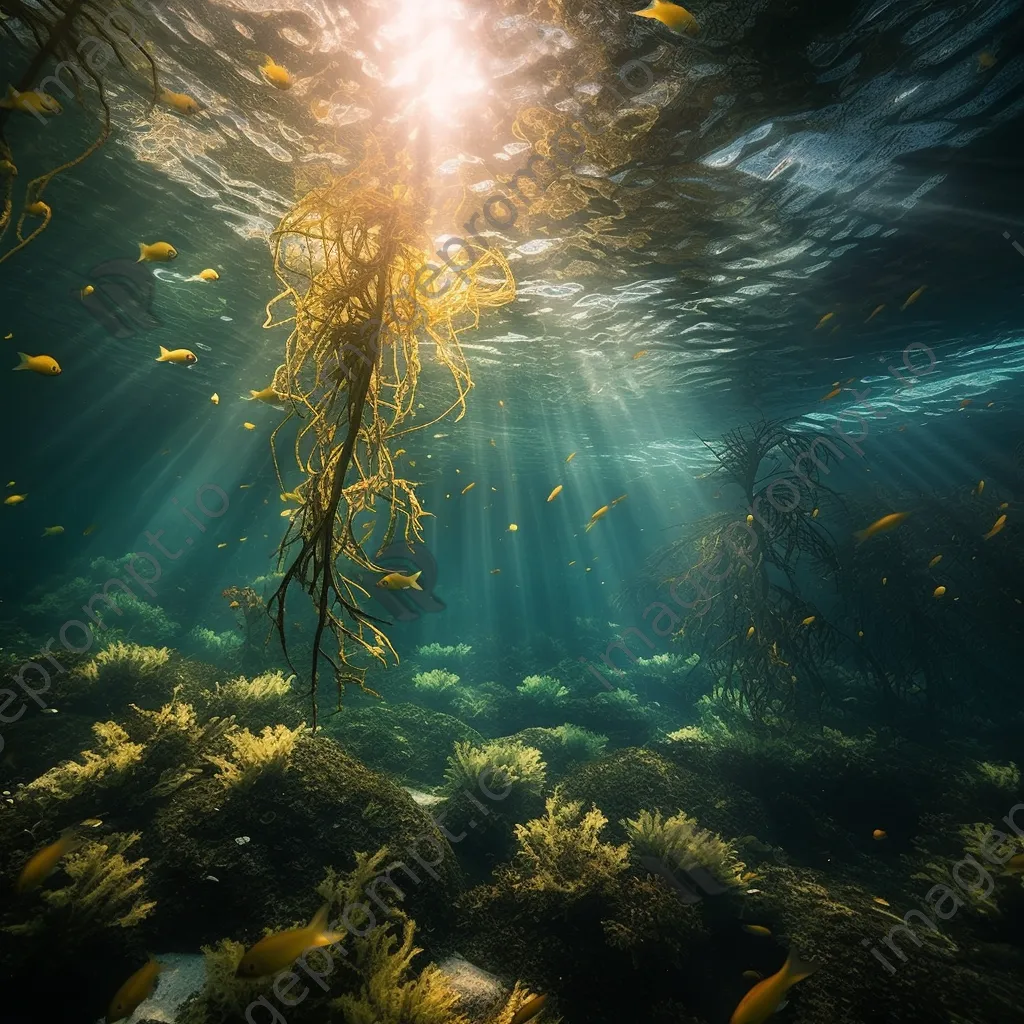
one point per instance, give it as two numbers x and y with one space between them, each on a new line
512 512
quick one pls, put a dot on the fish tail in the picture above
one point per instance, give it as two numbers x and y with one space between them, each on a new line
164 353
23 365
860 536
795 969
322 935
413 581
142 252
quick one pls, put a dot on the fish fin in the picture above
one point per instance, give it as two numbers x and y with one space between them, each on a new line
413 581
860 536
142 252
164 353
23 365
797 969
319 922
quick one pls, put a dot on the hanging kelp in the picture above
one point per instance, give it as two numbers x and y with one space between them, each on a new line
362 298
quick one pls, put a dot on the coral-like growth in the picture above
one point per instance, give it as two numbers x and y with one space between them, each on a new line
682 841
105 891
619 701
252 756
120 657
563 852
666 667
501 764
347 891
223 996
212 646
543 690
107 764
580 744
436 680
388 995
255 702
436 650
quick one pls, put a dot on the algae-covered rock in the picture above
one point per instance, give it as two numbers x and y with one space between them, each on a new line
412 743
247 858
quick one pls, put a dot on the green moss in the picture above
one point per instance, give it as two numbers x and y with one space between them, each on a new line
543 691
504 764
436 680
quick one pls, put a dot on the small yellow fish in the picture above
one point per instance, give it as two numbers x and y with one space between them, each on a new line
181 356
40 865
750 520
885 579
209 274
913 297
814 514
1015 865
761 1002
249 426
643 352
672 16
824 320
875 312
157 252
966 402
15 499
275 952
599 514
267 395
39 209
831 394
935 561
134 992
224 545
555 493
888 522
279 77
529 1009
234 604
87 291
46 365
979 489
495 572
879 834
880 901
244 487
179 101
758 929
90 529
396 581
750 632
621 497
401 451
501 403
215 398
52 531
573 562
31 102
512 527
996 527
412 462
1005 504
10 483
493 445
468 487
938 591
242 540
809 620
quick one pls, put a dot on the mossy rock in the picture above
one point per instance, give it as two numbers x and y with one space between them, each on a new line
409 742
635 779
315 815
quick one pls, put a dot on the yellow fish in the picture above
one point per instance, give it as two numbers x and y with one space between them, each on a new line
621 497
40 865
11 483
87 291
215 398
179 101
276 952
529 1009
91 528
599 514
996 527
31 102
280 78
824 320
555 493
52 531
134 992
643 352
758 1005
468 487
935 561
181 356
1005 504
46 365
913 297
758 929
814 514
157 252
750 520
224 545
831 394
15 499
985 61
979 489
249 426
750 632
267 395
938 591
401 451
396 581
570 457
810 619
493 445
672 16
38 209
888 522
495 572
209 274
875 312
244 487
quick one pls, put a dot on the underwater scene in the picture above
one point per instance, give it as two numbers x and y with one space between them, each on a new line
512 511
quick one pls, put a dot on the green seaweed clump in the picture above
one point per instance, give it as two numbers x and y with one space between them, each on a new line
223 996
387 995
681 840
563 852
436 650
268 697
500 764
105 891
543 690
437 680
253 756
580 744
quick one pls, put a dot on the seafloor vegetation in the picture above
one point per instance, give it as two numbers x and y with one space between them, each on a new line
642 872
